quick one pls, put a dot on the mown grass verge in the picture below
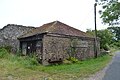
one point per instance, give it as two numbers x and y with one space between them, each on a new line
26 68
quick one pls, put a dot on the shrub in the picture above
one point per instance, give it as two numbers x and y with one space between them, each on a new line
33 61
106 47
3 53
8 48
26 61
67 62
73 60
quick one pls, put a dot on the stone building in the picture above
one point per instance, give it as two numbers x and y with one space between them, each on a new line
10 33
56 41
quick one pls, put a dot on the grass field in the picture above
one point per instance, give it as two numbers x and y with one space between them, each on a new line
14 67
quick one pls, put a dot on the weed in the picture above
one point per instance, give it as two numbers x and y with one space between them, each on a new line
3 53
27 68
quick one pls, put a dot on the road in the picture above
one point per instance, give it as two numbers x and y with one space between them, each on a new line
113 71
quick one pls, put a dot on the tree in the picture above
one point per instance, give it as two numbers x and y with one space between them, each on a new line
90 32
116 32
116 39
105 36
111 12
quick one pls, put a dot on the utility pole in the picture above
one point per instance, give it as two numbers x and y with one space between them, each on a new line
96 50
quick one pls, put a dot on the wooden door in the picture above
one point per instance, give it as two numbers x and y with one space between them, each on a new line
39 49
31 47
24 50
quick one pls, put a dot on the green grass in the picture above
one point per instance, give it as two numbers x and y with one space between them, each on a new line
26 68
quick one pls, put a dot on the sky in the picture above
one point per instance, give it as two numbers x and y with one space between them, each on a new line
76 13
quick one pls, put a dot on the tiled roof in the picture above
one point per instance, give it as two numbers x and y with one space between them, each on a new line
56 27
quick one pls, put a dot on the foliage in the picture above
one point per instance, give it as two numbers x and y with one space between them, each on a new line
23 68
116 44
8 48
116 32
3 53
116 38
111 12
105 36
73 60
111 15
23 60
66 61
72 49
90 32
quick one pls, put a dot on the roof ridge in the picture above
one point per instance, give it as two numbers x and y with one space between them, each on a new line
49 28
57 27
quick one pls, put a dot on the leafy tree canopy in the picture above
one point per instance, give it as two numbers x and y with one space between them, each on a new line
116 32
106 37
111 12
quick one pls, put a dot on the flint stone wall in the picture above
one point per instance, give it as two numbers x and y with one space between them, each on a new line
10 33
58 47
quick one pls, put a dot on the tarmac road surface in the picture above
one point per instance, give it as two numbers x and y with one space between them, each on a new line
113 71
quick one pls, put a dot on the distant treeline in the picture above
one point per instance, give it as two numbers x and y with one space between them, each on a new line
109 37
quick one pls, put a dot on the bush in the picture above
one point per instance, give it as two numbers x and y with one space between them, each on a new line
8 48
3 53
106 47
67 62
25 61
33 61
73 60
116 43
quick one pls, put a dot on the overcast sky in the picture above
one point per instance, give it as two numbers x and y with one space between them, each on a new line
76 13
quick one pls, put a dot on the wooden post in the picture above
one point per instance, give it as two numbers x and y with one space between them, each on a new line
96 52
